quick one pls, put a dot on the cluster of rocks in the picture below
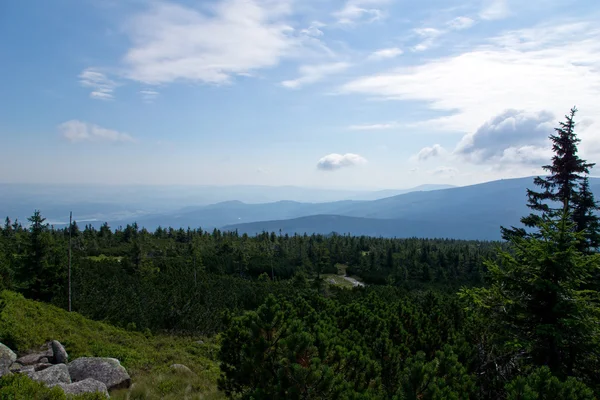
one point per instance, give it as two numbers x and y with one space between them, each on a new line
51 366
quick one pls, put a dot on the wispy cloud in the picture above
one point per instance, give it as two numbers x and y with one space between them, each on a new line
313 73
373 127
314 29
384 54
551 65
79 131
355 11
428 36
149 95
495 9
173 42
460 23
102 87
336 161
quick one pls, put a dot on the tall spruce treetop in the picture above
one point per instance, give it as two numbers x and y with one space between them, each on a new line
585 217
562 190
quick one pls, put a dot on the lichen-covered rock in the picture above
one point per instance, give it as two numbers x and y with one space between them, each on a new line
59 352
53 375
7 358
85 386
26 369
106 370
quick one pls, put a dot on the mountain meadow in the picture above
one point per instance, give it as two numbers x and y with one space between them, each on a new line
478 292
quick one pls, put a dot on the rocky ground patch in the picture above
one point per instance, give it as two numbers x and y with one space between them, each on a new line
50 365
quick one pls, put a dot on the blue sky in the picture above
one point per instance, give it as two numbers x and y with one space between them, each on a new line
340 93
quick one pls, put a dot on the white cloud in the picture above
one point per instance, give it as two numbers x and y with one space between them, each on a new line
79 131
172 42
460 23
314 73
428 35
149 95
372 127
429 152
494 9
552 67
314 29
335 161
525 155
360 11
102 87
512 136
383 54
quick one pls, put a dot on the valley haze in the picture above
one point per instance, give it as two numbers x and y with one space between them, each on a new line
443 211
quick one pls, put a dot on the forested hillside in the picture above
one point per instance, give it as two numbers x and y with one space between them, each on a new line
437 319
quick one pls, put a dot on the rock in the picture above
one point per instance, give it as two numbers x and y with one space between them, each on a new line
59 353
85 386
15 367
200 342
181 369
106 370
41 366
53 375
27 370
7 358
35 358
44 360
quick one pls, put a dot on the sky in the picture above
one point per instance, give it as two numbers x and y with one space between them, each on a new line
359 94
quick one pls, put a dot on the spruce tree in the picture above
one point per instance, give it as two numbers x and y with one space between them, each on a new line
535 305
562 189
586 219
32 274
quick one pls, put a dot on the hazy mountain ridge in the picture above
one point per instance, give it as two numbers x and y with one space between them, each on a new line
356 226
470 212
120 204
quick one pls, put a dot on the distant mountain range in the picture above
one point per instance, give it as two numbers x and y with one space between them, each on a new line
470 212
381 194
441 211
120 204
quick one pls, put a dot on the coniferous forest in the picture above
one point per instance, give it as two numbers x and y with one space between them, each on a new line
436 318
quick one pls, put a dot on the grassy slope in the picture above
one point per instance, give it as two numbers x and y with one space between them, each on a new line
26 324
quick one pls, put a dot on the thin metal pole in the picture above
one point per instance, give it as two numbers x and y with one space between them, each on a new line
70 230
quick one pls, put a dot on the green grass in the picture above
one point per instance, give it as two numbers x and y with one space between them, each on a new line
21 387
26 325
